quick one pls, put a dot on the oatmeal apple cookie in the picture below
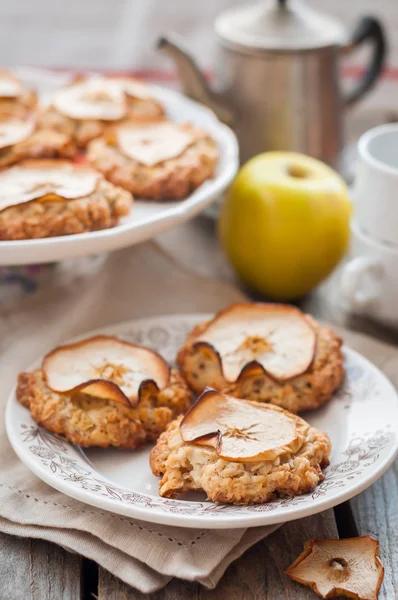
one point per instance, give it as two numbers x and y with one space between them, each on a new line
16 100
84 109
264 352
287 462
88 421
157 161
98 412
46 198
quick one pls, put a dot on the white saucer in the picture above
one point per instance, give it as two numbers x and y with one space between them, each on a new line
147 219
361 420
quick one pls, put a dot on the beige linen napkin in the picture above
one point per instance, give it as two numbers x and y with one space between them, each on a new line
138 282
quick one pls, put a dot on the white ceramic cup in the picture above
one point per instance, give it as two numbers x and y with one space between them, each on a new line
375 190
369 281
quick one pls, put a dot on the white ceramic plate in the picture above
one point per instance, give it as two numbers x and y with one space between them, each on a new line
147 219
361 421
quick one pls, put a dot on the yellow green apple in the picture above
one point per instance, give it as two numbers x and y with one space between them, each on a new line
285 223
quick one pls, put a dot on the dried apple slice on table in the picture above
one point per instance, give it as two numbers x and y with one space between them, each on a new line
105 367
45 180
241 430
347 567
276 338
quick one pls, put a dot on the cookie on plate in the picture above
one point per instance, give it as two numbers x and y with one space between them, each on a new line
84 109
46 198
239 452
19 140
16 100
155 161
104 391
264 352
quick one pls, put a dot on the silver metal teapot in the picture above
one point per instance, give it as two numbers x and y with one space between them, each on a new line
278 76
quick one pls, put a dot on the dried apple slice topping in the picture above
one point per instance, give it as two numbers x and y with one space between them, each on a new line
155 143
347 567
94 98
38 179
10 87
13 131
133 87
105 367
241 430
276 337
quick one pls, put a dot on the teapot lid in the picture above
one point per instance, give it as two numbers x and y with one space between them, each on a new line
281 25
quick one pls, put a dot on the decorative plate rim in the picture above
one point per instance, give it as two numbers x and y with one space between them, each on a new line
53 464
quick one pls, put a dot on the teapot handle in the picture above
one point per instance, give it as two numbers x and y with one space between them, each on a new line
368 29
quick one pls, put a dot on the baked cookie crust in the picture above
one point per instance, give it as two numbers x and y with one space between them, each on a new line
100 210
185 467
201 368
171 179
88 421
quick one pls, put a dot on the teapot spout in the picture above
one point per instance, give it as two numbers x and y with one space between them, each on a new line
192 79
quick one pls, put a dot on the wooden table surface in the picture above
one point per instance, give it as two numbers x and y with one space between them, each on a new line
36 570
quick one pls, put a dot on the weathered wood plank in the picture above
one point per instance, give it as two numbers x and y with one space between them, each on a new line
375 513
37 570
259 573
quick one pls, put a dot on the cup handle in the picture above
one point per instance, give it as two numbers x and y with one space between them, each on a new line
352 283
